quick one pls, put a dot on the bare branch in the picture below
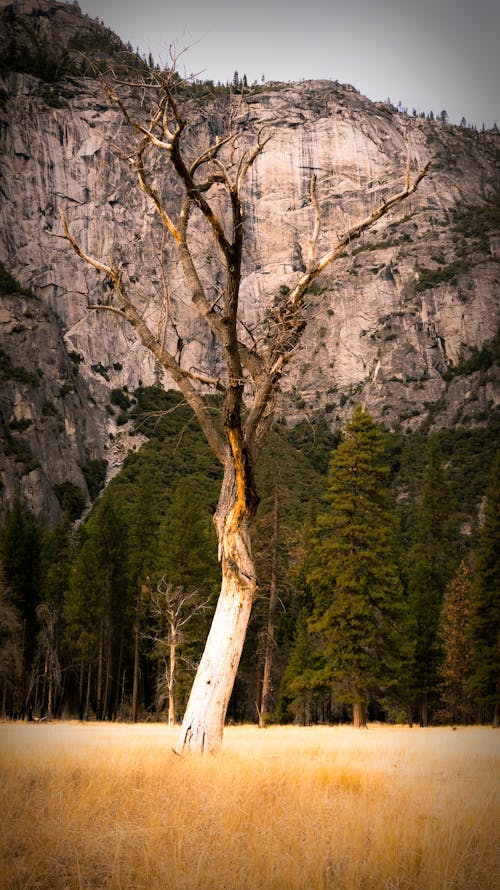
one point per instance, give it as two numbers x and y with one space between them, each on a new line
102 267
246 164
290 315
151 193
182 377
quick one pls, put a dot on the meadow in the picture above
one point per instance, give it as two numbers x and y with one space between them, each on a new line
285 808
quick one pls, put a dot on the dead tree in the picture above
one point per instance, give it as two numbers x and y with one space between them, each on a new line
172 608
211 185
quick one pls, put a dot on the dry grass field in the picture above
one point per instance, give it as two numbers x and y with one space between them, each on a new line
111 806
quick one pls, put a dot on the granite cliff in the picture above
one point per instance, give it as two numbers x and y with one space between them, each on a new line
406 322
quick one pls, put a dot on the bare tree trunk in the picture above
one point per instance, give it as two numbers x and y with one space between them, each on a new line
99 674
87 697
424 709
50 699
118 679
496 709
171 677
359 714
265 704
80 692
135 680
107 685
203 722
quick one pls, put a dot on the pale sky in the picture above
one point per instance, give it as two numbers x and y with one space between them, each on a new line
430 54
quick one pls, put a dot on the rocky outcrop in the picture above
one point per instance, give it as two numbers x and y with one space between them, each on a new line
393 324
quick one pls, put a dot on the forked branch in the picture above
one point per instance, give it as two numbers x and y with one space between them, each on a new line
184 378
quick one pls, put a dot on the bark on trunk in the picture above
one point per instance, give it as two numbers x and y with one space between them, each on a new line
265 704
100 673
203 722
359 715
87 698
424 710
135 679
171 677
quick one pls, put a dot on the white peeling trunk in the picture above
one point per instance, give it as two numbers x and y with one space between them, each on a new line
203 722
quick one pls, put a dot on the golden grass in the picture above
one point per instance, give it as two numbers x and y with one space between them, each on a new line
110 806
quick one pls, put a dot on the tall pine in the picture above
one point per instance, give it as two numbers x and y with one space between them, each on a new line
432 560
484 683
359 606
455 638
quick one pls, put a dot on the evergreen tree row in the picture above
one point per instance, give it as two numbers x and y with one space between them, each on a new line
378 567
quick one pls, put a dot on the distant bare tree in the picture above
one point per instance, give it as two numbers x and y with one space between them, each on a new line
172 608
47 668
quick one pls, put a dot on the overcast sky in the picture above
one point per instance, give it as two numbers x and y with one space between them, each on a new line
430 54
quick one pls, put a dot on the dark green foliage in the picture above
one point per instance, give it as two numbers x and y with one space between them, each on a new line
66 388
11 655
20 425
100 369
120 398
314 441
358 597
176 448
428 278
95 474
306 678
382 245
455 636
49 409
10 285
20 548
57 553
476 359
155 519
468 453
19 451
478 221
187 551
13 372
431 561
484 683
35 59
286 473
97 609
71 498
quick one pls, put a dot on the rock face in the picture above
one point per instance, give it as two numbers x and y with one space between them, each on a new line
392 324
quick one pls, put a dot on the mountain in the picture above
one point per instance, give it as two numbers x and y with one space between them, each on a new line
406 322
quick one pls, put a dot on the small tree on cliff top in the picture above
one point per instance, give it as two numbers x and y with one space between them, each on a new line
210 185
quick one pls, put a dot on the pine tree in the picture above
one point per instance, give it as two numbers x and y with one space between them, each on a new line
454 632
359 606
11 655
97 605
186 549
142 551
484 684
305 678
20 543
430 566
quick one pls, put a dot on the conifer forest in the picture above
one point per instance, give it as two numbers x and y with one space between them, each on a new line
378 586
